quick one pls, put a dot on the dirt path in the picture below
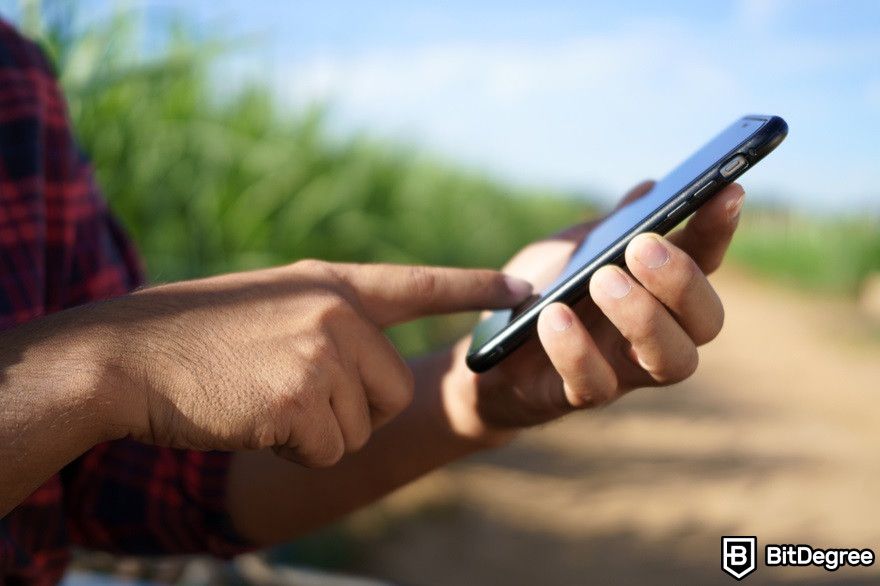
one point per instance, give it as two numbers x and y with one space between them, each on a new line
777 435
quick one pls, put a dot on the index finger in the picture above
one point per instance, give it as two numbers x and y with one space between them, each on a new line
391 294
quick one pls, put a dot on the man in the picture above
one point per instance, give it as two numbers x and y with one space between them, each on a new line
143 424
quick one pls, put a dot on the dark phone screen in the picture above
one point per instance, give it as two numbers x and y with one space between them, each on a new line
627 218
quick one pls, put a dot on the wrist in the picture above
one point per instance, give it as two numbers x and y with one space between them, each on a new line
99 383
93 350
113 391
55 367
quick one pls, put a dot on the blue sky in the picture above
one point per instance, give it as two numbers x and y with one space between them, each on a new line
587 96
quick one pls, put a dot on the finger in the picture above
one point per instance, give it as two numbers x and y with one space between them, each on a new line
675 280
656 342
317 441
391 294
588 379
708 233
386 378
349 404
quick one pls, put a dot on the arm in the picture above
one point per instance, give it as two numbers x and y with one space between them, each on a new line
290 358
456 412
47 393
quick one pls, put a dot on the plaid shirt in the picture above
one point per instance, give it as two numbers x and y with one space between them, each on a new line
60 247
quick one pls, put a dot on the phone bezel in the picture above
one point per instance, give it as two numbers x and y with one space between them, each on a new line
677 208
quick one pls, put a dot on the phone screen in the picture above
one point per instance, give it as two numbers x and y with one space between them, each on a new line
624 220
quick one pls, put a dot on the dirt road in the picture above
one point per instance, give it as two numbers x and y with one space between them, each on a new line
777 435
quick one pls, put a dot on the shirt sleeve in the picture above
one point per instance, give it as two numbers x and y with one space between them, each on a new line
126 497
120 496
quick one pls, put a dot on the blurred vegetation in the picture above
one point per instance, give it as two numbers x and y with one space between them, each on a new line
826 254
208 182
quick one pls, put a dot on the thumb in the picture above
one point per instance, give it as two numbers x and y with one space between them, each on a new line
393 294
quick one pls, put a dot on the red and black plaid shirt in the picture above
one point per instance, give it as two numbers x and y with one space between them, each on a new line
60 247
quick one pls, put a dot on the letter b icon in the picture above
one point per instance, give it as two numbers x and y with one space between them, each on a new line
738 555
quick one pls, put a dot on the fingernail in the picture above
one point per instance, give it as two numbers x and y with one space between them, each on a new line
651 252
519 288
558 318
734 207
613 282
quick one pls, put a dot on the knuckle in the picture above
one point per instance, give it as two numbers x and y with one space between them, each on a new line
328 277
597 386
602 395
359 437
329 309
679 368
262 437
585 398
608 393
321 353
323 451
304 395
334 454
713 326
648 322
312 266
404 391
683 281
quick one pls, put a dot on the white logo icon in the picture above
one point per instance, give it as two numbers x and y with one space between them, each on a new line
739 555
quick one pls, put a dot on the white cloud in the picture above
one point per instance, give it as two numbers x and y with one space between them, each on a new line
601 110
760 15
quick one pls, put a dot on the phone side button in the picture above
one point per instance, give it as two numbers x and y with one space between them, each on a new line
703 190
677 209
733 165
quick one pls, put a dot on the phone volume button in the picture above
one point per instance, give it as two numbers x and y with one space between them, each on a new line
703 190
677 209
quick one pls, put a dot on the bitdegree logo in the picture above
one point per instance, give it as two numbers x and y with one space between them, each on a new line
739 555
807 555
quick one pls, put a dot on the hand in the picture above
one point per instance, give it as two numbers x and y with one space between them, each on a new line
637 328
292 358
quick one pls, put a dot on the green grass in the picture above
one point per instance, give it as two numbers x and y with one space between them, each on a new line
830 255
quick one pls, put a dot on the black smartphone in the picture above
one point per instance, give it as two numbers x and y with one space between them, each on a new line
724 158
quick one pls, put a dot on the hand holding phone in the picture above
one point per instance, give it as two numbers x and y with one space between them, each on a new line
607 346
674 198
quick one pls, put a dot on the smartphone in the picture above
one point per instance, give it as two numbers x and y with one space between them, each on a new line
675 197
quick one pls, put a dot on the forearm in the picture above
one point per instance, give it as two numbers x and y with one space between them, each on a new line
48 398
272 500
